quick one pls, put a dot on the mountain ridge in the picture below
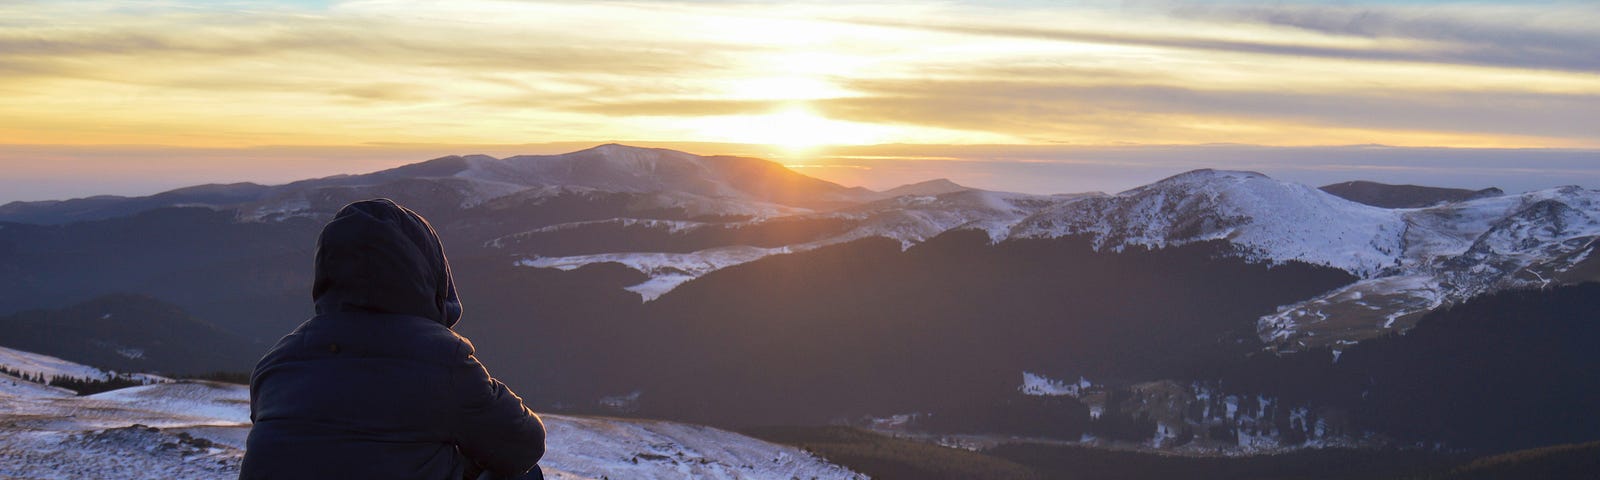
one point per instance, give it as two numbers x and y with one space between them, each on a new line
1410 260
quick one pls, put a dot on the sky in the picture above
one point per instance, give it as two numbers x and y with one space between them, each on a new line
134 97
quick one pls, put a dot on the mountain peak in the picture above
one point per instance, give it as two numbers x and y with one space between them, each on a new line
618 148
1208 174
1205 179
937 186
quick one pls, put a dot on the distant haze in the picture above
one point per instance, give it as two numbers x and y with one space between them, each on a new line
61 172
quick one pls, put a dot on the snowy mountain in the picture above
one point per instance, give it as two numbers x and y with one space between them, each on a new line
908 218
465 181
195 429
675 217
661 180
1453 252
731 291
1266 219
1409 261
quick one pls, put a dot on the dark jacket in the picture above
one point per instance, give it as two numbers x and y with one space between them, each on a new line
376 385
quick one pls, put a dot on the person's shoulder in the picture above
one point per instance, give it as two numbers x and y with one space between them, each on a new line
391 335
438 342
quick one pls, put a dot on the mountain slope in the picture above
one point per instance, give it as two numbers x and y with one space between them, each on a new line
675 216
668 178
130 333
1269 220
53 212
1453 252
34 364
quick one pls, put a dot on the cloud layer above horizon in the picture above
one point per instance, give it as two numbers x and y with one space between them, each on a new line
245 73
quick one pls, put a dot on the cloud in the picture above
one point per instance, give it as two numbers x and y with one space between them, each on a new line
683 108
1046 109
1537 27
1454 42
482 71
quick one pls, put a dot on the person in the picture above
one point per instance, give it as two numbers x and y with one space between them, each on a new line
376 384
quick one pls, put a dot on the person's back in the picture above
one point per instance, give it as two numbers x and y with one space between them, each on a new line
376 385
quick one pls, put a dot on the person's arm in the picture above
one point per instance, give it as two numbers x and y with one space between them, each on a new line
493 428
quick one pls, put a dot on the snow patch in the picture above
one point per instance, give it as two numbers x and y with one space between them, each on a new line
48 366
666 270
1039 385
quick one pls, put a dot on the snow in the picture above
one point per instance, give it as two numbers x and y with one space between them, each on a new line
670 175
225 403
479 191
195 429
915 218
290 206
666 270
669 226
910 219
1453 252
1407 261
121 453
592 448
16 387
1039 385
1273 221
28 362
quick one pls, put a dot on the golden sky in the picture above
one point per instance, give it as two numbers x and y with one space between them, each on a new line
797 75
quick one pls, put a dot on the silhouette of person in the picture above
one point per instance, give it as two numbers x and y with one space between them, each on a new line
376 384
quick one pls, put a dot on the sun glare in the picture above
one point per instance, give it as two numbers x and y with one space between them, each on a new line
794 129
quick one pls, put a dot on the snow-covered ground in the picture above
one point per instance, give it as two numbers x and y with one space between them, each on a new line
36 364
593 448
196 430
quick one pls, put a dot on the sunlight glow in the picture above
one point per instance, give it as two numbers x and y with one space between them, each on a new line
793 129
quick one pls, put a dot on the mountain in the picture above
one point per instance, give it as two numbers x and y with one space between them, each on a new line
1404 196
731 291
1266 219
54 212
1503 371
1409 261
933 187
129 333
1453 252
749 185
652 178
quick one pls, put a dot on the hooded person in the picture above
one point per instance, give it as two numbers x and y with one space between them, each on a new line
376 384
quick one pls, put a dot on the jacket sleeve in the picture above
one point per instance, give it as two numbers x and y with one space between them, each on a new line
492 427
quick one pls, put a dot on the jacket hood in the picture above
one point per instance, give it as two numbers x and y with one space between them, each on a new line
378 257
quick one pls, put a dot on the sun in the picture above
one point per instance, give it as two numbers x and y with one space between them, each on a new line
794 129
